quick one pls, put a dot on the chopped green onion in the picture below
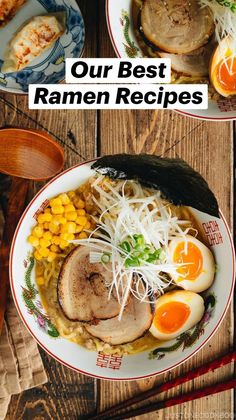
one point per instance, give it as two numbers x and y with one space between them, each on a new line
105 258
125 246
132 262
147 248
231 5
158 253
139 251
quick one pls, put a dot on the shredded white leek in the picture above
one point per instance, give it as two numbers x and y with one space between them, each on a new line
224 18
127 209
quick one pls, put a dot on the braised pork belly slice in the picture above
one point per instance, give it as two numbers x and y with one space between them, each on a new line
176 26
83 293
135 322
195 64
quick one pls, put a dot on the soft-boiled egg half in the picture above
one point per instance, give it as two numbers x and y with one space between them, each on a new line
175 313
196 270
223 67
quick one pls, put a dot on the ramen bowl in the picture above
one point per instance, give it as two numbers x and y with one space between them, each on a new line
125 44
97 364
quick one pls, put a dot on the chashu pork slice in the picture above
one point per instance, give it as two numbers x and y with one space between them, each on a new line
82 288
176 26
194 64
136 320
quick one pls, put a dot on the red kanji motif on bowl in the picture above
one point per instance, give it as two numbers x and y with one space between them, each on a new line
213 233
109 361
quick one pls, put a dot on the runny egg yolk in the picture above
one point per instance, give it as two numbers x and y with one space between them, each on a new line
192 258
171 316
226 73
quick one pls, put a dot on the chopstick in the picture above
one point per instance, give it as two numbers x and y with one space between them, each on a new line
193 395
199 371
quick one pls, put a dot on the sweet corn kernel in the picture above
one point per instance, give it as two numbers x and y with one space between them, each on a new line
58 209
69 208
64 199
40 219
44 243
58 220
40 281
53 228
33 240
46 225
56 240
79 204
87 226
67 236
63 228
72 215
81 212
63 244
70 227
55 202
82 220
51 256
78 229
44 251
55 221
83 235
37 256
44 217
47 235
71 194
55 248
62 220
47 210
37 231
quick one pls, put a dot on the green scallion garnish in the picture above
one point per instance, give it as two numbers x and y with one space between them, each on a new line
106 258
231 5
138 251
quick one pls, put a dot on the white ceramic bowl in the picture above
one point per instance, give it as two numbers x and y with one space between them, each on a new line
119 22
111 367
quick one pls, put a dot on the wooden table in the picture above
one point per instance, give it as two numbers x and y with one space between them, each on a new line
208 147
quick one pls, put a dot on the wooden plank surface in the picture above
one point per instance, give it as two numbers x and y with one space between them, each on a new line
208 147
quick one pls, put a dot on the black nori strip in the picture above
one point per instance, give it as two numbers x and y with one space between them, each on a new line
178 182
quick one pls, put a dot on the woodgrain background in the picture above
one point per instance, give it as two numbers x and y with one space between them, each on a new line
208 147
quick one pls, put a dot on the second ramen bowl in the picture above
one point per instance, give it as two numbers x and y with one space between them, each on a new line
122 34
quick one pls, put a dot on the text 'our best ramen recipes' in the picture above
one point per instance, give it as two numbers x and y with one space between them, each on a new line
121 261
115 83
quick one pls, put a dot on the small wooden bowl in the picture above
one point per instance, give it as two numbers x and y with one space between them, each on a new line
29 154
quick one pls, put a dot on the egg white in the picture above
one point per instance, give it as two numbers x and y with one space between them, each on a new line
195 303
206 277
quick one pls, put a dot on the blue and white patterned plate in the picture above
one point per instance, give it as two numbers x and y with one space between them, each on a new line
49 67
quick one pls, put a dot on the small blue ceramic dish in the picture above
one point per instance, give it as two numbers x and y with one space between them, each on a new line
49 67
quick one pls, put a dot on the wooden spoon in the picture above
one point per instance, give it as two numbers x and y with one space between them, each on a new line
25 155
